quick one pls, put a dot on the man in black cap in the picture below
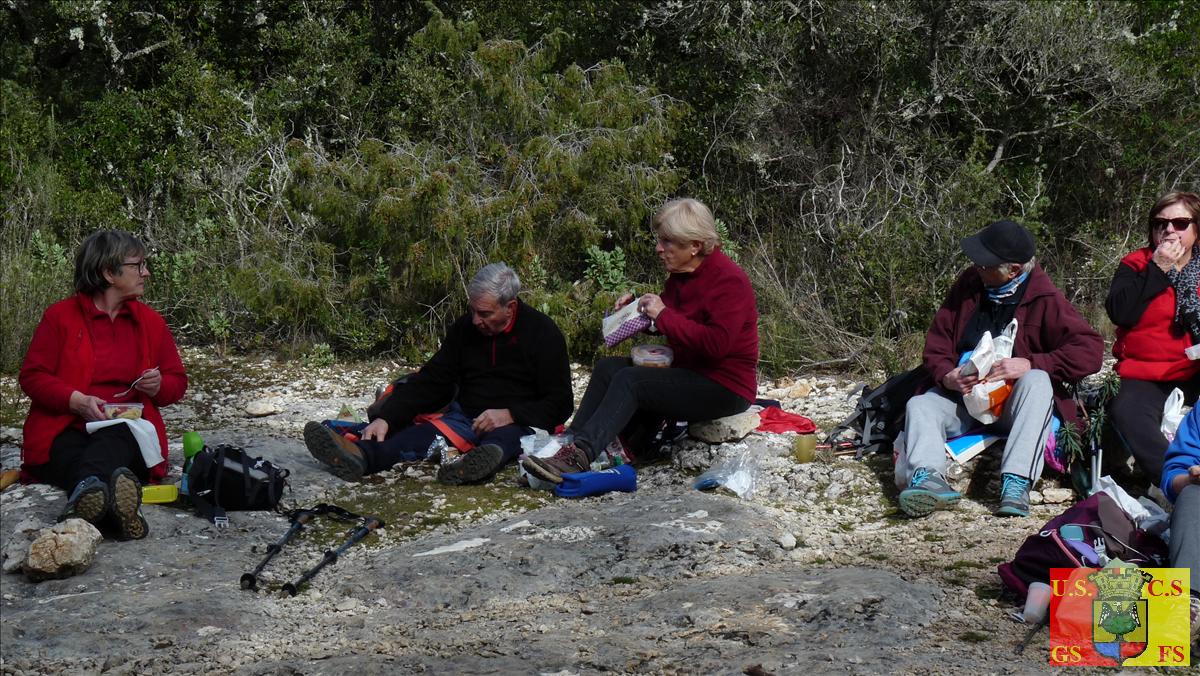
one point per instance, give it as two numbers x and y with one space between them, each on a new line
1054 345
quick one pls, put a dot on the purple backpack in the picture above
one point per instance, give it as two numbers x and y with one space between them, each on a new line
1105 528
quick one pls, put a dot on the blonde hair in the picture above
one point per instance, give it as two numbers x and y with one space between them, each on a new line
687 220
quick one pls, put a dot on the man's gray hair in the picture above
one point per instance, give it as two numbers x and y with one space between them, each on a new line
495 279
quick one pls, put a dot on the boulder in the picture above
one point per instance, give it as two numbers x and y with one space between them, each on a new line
63 550
729 428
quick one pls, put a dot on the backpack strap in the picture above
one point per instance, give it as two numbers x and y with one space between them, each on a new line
211 509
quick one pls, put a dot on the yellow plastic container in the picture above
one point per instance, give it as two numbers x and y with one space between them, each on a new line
160 494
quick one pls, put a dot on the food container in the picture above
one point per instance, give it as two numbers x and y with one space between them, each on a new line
131 411
659 356
160 494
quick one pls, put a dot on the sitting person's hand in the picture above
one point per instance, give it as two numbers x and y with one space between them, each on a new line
1168 253
623 301
86 406
491 419
650 305
1009 369
1180 481
150 382
376 431
955 381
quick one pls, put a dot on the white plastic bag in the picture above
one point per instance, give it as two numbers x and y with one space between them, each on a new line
541 444
985 401
738 473
1172 414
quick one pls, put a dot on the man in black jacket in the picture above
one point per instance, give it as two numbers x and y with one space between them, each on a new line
502 369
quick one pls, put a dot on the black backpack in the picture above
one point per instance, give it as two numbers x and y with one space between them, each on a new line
878 416
226 478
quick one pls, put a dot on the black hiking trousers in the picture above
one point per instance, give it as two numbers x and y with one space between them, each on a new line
76 455
635 400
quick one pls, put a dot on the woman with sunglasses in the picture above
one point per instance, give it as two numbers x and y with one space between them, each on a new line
1154 301
100 346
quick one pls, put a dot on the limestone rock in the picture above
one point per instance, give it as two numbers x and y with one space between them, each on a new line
787 541
63 550
1055 496
16 545
799 390
258 409
729 428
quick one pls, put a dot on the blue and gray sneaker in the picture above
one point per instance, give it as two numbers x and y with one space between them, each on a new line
1014 495
927 491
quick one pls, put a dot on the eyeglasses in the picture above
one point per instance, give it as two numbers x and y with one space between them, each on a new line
142 266
1178 224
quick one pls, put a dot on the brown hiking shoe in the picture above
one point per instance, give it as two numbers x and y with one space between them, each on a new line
344 457
126 505
568 459
479 464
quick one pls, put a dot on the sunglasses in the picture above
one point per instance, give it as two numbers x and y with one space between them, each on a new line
1178 224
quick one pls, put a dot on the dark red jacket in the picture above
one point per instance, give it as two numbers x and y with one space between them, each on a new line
711 323
60 361
1050 334
1141 302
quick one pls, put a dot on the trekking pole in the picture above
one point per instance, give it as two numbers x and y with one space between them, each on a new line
1030 634
369 524
299 520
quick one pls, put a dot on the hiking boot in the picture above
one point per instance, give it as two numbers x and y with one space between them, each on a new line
127 504
89 501
568 459
479 464
927 491
1014 496
344 457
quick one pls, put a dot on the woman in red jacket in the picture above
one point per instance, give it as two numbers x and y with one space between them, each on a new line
1155 302
101 346
707 312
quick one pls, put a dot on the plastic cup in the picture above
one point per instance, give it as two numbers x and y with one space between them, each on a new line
804 448
1037 602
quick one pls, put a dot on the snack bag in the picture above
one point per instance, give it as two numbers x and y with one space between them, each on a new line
623 324
985 401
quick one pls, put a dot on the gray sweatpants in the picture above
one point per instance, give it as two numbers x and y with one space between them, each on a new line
939 414
1185 533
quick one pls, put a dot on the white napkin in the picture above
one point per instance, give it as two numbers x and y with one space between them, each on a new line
143 430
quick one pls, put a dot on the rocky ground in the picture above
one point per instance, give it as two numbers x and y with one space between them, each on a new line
815 572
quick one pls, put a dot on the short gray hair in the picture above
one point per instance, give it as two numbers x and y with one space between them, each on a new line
103 251
495 279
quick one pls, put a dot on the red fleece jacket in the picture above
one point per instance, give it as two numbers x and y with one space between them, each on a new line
711 323
61 360
1050 334
1152 349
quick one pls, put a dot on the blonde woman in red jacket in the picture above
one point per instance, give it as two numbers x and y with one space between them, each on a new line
1155 302
100 346
708 314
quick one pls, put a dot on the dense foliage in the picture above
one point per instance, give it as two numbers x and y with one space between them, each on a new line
330 173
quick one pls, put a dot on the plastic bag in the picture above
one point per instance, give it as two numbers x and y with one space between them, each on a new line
985 401
541 444
1172 414
738 473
